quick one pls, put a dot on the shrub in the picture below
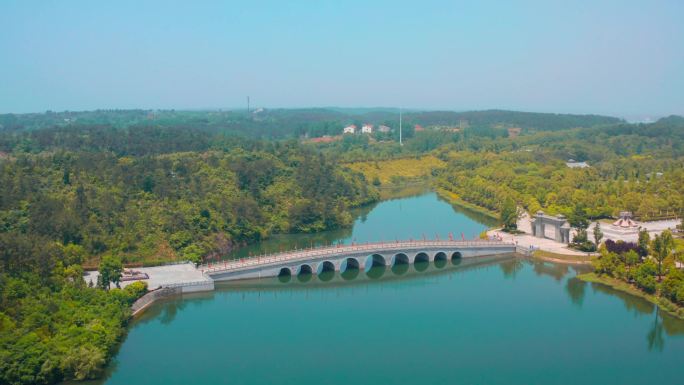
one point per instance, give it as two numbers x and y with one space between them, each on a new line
620 247
135 290
645 276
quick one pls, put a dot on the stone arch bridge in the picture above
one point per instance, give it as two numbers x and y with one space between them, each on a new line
359 256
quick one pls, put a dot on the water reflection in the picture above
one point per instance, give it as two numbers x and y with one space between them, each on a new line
638 306
305 277
576 289
400 269
326 276
555 270
350 274
656 341
376 272
511 268
421 266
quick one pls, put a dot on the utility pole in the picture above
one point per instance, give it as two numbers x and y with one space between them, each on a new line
400 142
248 105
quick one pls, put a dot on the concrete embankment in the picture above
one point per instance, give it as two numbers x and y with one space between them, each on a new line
169 291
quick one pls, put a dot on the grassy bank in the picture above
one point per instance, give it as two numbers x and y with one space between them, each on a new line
397 171
663 303
562 258
456 201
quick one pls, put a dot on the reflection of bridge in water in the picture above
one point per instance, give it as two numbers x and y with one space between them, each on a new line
352 257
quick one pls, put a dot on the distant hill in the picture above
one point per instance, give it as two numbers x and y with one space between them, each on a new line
288 122
529 120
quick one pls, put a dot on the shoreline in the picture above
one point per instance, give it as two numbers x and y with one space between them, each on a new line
448 196
565 259
662 303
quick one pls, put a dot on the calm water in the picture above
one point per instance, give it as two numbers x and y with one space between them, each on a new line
500 320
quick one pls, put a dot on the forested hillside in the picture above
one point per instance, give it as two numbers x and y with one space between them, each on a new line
181 205
635 167
71 197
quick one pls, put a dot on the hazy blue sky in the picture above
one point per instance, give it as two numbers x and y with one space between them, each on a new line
615 57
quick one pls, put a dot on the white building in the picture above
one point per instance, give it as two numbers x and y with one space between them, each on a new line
574 164
367 129
384 129
349 129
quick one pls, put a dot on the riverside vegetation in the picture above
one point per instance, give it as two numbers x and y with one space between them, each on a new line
142 187
646 268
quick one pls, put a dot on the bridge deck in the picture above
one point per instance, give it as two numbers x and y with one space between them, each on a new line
339 251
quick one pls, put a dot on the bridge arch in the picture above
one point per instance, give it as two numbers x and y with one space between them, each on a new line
285 272
375 260
440 256
349 264
456 255
400 259
324 267
421 257
304 269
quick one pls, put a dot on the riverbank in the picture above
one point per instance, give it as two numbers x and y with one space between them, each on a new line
662 303
562 258
454 200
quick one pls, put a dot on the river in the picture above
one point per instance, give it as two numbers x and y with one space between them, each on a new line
502 320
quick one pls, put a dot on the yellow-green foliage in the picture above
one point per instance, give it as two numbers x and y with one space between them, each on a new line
390 171
537 181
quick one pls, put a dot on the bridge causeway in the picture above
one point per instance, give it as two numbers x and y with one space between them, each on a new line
357 256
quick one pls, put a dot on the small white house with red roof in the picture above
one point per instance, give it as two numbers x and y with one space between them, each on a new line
351 129
367 129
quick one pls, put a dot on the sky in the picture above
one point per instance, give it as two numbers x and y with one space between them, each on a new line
621 58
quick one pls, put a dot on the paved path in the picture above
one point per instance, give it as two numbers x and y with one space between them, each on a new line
167 275
525 241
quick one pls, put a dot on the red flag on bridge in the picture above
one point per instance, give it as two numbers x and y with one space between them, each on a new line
462 236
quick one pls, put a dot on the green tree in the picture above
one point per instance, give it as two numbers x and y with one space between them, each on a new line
110 271
631 258
662 246
509 215
598 234
578 218
643 242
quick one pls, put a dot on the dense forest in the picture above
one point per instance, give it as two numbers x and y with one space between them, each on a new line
639 168
75 196
78 189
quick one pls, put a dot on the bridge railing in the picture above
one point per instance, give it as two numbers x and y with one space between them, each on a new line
335 251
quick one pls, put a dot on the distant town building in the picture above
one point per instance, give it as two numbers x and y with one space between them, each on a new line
418 128
574 164
351 129
382 128
367 129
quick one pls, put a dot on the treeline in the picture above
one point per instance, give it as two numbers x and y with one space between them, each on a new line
295 123
528 120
